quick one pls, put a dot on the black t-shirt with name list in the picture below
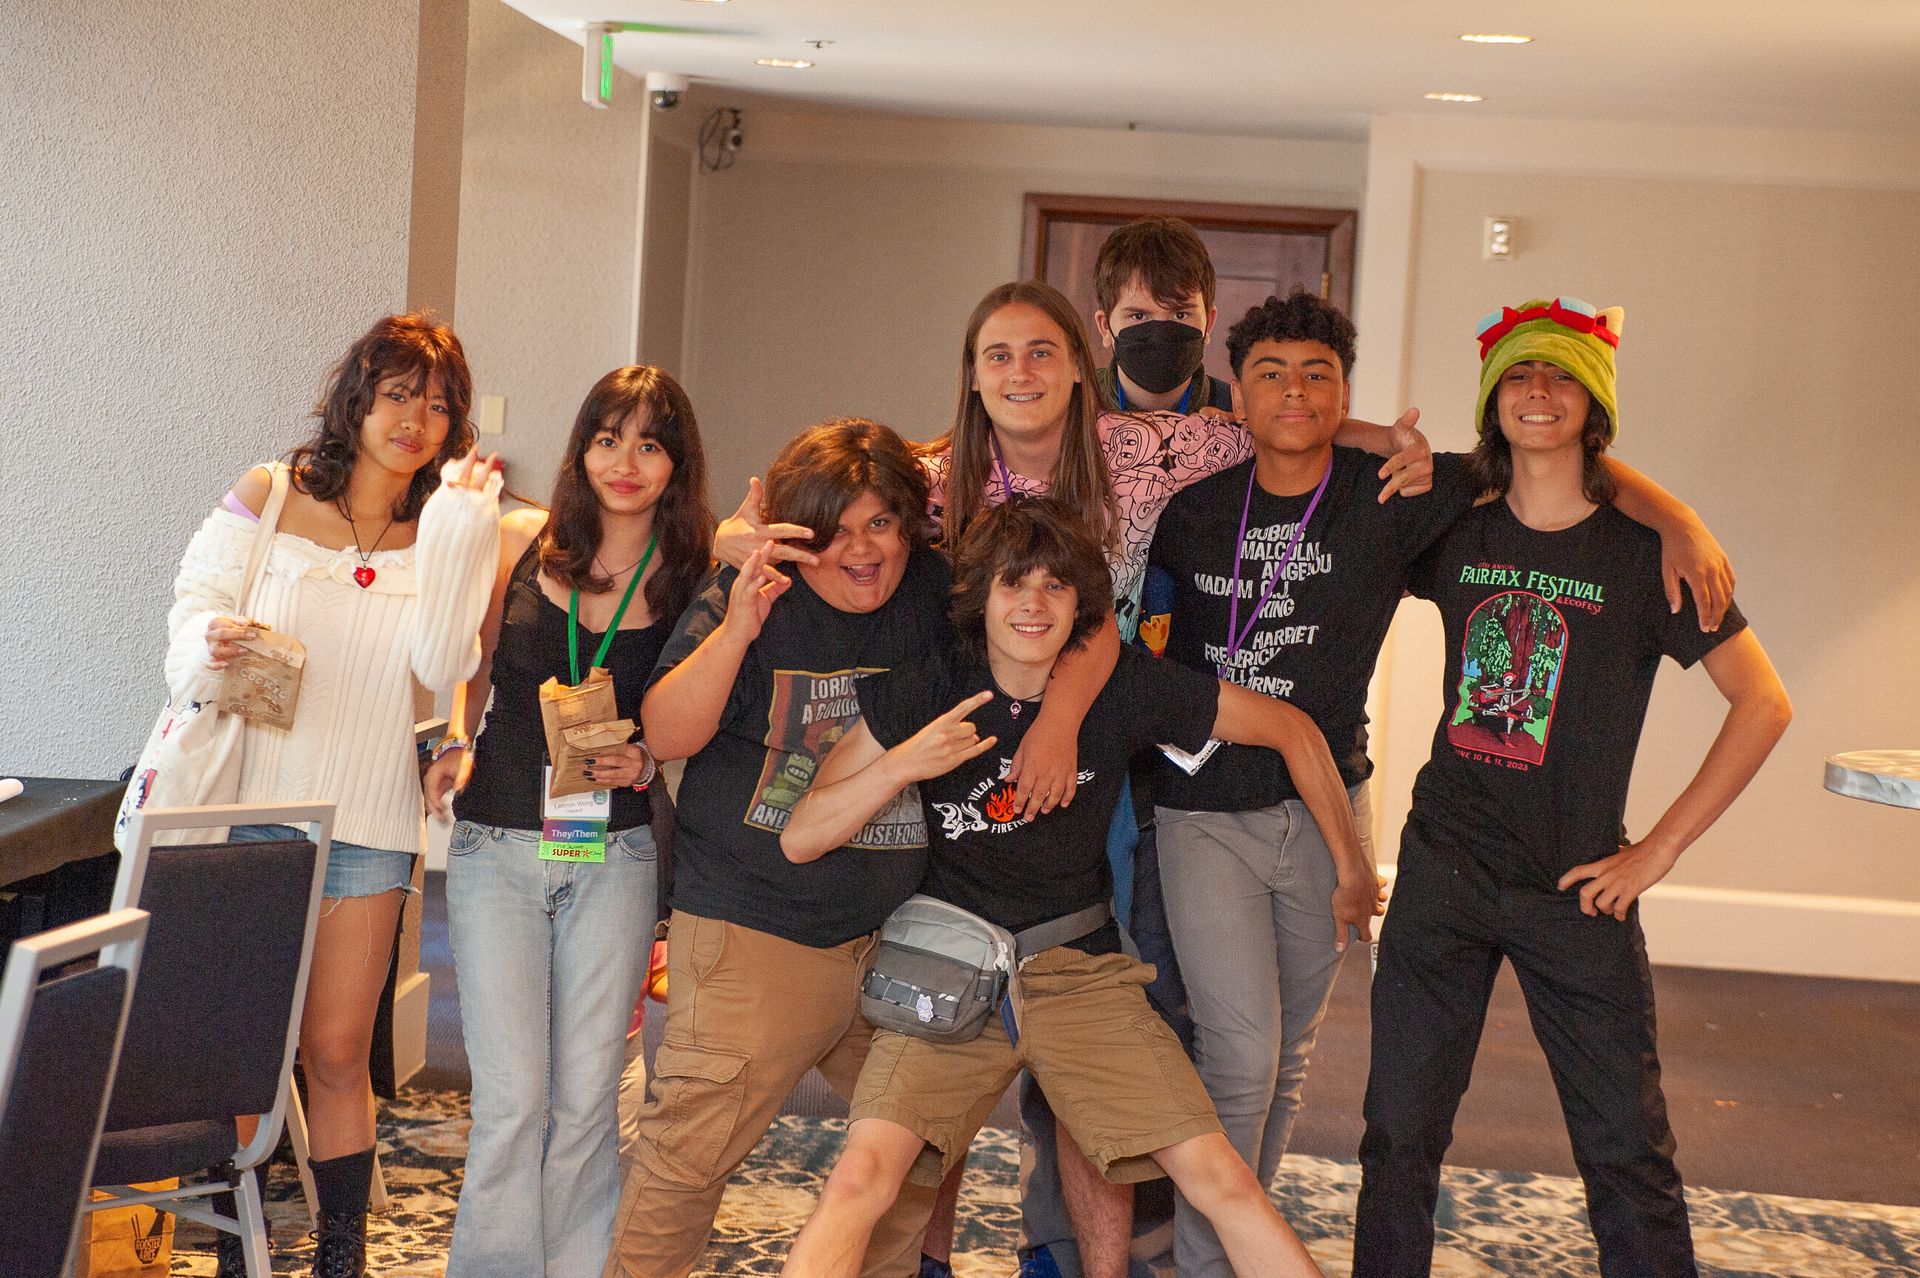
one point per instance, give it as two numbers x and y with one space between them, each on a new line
986 857
1319 635
792 700
1553 641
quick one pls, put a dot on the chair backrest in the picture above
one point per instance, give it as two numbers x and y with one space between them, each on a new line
214 1024
60 1035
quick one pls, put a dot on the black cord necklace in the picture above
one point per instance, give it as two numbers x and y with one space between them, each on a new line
363 575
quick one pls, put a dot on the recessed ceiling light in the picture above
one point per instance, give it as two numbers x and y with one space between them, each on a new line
793 64
1477 38
1454 97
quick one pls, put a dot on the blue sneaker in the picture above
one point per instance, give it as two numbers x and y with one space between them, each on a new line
931 1268
1037 1262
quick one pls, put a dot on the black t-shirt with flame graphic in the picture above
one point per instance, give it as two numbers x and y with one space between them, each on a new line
985 857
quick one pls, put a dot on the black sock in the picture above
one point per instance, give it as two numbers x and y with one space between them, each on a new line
344 1183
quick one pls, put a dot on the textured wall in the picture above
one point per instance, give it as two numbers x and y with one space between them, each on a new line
549 202
1767 378
202 204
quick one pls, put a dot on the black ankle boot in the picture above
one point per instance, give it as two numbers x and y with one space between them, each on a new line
232 1251
342 1252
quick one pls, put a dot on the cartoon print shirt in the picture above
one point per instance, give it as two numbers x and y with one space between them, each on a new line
1553 640
1150 457
986 857
1319 635
792 700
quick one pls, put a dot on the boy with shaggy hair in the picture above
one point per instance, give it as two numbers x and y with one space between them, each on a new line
1030 584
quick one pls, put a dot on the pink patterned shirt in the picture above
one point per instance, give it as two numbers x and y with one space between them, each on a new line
1150 457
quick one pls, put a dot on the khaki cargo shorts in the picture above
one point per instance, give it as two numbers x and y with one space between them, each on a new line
1112 1070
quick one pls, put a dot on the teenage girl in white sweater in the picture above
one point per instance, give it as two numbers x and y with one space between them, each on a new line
381 566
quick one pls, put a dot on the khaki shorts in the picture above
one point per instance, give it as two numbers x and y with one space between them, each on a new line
1113 1071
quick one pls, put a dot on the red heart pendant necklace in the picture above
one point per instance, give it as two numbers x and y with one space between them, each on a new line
363 575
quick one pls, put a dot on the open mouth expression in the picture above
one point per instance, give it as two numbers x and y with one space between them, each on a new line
863 564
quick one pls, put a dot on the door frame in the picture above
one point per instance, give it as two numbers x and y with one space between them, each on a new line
1040 210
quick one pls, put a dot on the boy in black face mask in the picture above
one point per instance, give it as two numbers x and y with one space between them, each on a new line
1154 282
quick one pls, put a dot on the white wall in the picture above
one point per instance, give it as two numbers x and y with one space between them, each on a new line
202 205
549 208
833 267
1767 378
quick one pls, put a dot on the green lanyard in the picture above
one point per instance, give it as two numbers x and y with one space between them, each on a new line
613 627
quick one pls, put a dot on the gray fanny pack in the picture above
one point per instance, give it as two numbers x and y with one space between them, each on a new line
938 971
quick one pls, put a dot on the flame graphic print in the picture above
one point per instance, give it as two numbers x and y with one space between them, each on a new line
1001 805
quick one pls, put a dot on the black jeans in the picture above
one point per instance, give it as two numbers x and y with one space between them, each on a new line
1589 994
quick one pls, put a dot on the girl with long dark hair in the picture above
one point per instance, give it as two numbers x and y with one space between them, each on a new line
551 932
379 566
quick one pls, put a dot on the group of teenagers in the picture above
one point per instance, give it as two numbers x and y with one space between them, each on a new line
1099 654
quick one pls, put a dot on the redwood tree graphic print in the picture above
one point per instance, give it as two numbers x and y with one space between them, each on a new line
1510 666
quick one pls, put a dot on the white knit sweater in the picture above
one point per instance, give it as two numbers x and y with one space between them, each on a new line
352 735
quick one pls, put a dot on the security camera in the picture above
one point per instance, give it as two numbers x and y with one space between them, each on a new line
664 89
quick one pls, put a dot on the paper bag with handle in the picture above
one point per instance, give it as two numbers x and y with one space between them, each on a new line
580 721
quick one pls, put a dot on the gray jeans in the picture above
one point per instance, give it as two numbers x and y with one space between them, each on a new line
1249 903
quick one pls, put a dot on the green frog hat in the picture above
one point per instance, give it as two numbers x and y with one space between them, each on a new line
1567 332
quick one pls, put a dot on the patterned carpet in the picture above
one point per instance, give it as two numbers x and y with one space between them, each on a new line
1491 1223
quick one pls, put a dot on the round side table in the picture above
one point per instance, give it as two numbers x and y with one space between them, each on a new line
1878 776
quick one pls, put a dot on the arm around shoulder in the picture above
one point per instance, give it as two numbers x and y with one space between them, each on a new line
1688 551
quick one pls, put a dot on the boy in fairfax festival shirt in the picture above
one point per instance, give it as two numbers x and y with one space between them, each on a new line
1556 622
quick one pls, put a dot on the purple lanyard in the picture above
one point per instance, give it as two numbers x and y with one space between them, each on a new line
1236 636
1000 463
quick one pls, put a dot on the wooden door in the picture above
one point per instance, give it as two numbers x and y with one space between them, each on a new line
1257 250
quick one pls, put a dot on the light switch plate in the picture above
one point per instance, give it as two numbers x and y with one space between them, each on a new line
492 417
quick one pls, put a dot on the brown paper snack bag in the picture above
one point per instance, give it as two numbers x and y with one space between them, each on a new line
580 721
262 684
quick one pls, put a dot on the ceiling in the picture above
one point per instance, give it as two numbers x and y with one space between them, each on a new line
1292 68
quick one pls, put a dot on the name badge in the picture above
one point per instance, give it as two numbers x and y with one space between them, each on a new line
573 827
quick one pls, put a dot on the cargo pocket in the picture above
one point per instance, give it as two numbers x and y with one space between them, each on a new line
700 1094
1183 1093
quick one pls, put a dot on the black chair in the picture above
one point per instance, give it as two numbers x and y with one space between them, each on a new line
59 1038
216 1017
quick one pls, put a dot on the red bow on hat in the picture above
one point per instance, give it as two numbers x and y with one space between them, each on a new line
1578 321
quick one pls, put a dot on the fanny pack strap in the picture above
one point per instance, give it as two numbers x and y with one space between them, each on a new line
1044 936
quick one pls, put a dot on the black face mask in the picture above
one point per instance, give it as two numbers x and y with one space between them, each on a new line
1158 355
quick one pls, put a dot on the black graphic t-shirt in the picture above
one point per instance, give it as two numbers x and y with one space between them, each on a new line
793 699
1553 640
1318 636
987 858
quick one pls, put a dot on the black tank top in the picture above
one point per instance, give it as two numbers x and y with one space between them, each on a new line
511 751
